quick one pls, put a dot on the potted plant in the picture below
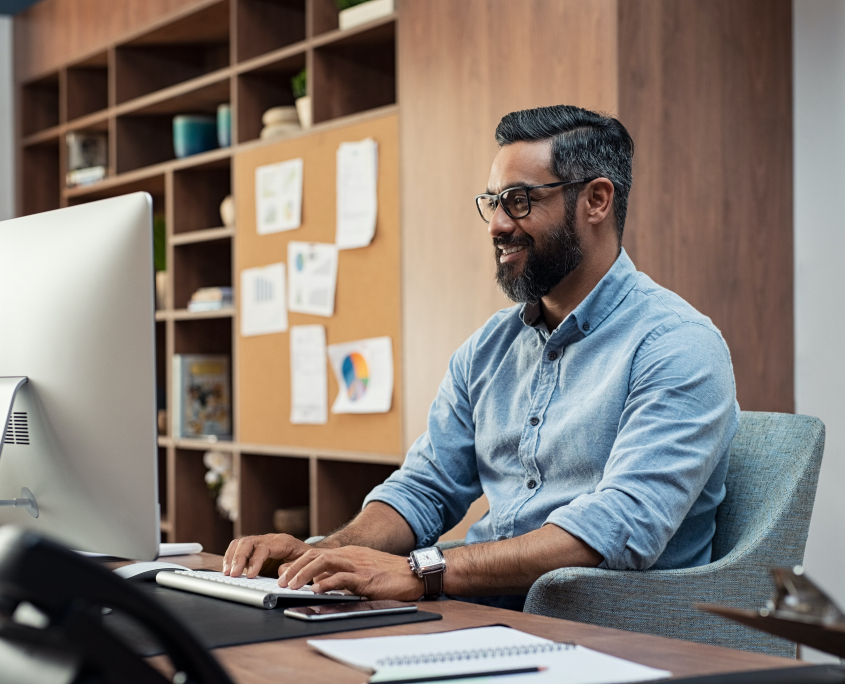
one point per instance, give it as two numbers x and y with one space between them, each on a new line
302 99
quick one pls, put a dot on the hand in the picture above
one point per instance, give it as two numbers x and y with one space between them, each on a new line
363 571
251 553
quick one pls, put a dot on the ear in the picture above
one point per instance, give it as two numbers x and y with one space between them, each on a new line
599 200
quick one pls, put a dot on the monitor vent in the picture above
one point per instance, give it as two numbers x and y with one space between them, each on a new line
17 431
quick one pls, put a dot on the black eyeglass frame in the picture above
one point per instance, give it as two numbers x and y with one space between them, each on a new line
528 188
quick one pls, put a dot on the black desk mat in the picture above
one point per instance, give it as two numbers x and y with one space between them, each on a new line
217 623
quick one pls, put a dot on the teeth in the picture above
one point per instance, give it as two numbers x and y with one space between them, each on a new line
511 250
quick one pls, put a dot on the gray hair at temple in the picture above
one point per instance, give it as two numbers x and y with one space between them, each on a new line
585 144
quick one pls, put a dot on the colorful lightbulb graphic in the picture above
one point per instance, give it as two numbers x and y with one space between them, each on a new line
356 375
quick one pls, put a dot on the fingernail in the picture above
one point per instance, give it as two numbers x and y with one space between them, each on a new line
225 568
250 568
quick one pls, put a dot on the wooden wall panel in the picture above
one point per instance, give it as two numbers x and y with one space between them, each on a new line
366 305
705 89
54 32
462 65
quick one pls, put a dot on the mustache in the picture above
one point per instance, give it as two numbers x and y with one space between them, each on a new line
513 240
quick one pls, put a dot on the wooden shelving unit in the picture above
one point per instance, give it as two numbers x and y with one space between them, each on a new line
243 52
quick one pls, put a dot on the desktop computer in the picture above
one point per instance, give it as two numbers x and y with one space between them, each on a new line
78 452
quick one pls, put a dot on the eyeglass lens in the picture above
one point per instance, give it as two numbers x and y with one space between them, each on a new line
514 201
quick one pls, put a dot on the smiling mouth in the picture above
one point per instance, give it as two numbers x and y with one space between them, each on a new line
509 253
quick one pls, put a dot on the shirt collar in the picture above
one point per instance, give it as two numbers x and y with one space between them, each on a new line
596 306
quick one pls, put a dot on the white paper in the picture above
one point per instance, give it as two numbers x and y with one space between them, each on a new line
364 372
312 273
308 375
578 665
357 204
278 196
263 309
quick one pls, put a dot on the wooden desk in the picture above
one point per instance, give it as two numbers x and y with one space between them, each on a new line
294 661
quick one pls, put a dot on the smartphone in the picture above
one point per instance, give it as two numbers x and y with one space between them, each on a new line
338 611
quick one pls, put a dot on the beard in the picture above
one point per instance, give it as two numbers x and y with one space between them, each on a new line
547 261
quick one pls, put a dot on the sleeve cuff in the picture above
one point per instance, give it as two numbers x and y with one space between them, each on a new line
422 516
596 524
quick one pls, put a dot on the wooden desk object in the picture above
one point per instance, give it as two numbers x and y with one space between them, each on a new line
294 661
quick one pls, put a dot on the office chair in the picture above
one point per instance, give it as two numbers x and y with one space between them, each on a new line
762 523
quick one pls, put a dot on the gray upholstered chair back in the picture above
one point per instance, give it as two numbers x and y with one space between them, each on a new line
763 522
771 486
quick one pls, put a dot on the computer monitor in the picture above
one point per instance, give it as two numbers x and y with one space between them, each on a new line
77 322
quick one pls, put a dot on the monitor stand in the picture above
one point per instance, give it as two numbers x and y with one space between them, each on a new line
9 387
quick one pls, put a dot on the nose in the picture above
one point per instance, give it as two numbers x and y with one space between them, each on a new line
501 224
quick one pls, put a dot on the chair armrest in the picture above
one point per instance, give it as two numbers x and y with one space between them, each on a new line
659 602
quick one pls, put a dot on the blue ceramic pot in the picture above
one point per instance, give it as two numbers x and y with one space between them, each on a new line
193 134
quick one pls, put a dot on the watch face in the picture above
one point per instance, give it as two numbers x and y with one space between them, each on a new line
426 557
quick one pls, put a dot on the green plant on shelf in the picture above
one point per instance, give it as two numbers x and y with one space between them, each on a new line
299 83
346 4
159 244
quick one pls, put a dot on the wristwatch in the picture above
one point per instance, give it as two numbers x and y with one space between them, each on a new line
429 565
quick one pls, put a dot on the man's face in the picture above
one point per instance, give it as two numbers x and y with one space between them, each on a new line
534 253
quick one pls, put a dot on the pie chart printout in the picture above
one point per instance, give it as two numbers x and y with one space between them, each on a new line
356 375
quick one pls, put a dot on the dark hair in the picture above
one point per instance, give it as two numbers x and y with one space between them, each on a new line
585 144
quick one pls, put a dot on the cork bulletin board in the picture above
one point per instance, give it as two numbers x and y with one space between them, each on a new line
367 302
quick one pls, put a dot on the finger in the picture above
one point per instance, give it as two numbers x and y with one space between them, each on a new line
242 554
230 552
295 566
259 555
321 565
340 580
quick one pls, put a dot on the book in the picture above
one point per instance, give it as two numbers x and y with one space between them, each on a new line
211 299
483 650
202 405
85 176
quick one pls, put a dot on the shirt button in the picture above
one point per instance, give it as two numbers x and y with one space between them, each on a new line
531 484
534 421
552 355
586 325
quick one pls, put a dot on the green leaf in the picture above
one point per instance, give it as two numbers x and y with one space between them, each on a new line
299 83
159 243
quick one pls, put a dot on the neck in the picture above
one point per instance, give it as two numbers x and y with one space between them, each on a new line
571 291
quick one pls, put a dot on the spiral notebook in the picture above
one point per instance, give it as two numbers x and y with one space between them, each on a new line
483 652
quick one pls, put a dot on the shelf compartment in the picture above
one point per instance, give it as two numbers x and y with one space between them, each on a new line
355 73
87 87
200 264
341 489
196 516
262 88
194 45
203 336
161 366
267 25
197 194
143 141
268 483
40 104
40 182
323 16
198 96
105 189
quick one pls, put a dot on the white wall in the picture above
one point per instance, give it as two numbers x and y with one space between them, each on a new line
7 129
819 110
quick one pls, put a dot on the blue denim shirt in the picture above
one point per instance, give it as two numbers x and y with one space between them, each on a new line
615 427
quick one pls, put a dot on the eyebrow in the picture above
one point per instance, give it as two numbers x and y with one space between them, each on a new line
517 184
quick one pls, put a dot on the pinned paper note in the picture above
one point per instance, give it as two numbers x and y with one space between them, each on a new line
364 372
309 377
263 309
312 269
278 196
357 205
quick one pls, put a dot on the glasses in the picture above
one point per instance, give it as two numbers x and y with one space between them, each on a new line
515 201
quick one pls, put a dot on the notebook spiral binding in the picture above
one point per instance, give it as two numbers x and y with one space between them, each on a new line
475 654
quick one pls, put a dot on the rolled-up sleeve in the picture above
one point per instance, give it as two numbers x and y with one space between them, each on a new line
676 426
439 479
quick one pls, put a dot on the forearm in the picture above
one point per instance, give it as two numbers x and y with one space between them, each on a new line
511 566
378 527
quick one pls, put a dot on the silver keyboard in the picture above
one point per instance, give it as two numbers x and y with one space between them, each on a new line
261 592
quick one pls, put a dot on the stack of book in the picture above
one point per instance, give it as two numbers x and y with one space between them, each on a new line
87 157
211 299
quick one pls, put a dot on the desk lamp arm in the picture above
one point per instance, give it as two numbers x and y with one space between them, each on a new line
9 387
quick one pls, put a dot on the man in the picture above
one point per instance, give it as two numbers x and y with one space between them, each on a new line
596 416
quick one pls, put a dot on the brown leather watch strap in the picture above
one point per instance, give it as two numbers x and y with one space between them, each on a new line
433 583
